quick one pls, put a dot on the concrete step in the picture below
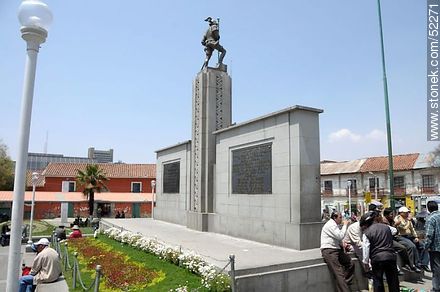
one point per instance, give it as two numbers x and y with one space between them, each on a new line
59 286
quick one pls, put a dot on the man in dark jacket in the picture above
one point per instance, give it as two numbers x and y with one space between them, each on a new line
378 247
60 232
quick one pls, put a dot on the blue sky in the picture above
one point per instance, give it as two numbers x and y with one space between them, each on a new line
118 74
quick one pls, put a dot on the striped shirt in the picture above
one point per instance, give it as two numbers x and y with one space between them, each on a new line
433 231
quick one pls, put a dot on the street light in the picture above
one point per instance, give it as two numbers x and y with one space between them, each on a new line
376 184
35 19
153 188
34 184
349 197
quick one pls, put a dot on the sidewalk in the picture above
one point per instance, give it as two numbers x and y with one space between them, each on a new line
27 258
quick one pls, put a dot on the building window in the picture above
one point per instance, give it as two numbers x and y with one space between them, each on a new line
353 186
427 181
136 187
68 186
399 182
328 187
373 183
428 184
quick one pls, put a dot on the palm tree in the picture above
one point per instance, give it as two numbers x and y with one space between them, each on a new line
92 179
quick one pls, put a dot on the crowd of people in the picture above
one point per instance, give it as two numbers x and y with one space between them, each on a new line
385 243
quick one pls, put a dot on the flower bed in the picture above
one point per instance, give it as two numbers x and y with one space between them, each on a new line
211 279
118 270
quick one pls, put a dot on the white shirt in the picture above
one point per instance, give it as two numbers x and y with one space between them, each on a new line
354 234
332 235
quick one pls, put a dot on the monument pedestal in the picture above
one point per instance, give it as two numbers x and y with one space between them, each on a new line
198 221
211 112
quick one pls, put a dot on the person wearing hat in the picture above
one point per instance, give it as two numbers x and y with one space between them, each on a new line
76 233
408 235
377 247
46 267
405 253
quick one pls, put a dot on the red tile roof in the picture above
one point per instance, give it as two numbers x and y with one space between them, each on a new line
400 162
111 170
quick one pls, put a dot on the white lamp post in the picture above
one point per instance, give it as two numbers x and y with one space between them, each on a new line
35 18
34 184
376 184
153 188
349 197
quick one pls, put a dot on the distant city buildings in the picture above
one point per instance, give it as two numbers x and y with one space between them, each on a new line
41 160
101 156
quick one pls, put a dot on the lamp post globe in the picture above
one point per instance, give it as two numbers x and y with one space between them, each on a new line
35 19
35 13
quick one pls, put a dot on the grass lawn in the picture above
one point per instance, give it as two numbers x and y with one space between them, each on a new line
174 275
43 228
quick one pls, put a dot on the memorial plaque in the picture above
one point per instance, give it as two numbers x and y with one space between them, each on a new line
171 178
252 170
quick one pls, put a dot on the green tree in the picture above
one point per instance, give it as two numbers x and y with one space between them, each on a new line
6 169
435 157
93 181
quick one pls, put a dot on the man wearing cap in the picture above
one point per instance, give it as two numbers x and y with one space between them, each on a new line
46 267
405 253
408 235
433 243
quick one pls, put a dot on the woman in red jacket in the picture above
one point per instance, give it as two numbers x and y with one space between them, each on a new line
76 233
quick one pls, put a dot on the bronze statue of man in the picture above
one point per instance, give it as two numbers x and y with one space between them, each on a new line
211 42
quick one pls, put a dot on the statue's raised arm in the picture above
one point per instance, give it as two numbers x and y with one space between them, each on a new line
211 42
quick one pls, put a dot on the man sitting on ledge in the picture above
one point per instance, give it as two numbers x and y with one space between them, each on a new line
46 267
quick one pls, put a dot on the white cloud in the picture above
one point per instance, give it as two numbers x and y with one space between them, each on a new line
343 135
376 135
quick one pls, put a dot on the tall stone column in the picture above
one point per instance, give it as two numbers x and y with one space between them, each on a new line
211 112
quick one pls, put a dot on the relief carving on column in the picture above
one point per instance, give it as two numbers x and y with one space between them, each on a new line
218 102
197 146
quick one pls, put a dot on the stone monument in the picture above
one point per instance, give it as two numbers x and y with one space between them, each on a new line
258 180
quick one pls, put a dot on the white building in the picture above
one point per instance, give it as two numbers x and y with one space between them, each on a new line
415 181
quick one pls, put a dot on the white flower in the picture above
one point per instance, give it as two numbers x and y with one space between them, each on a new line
187 258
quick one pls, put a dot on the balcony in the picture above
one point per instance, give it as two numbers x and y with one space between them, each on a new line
380 192
429 190
400 191
327 193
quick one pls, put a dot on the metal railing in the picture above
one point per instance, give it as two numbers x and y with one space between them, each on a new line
63 252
